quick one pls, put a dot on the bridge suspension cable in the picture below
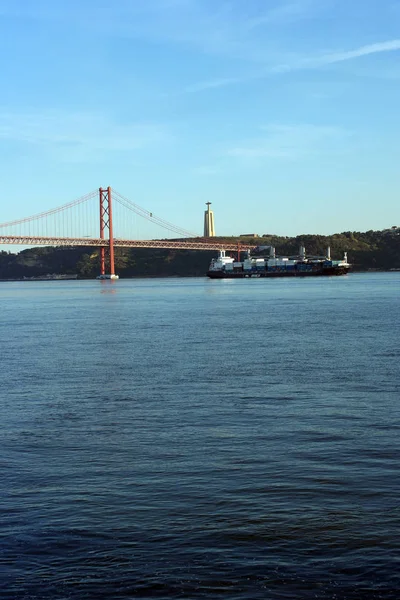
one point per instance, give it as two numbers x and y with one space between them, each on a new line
79 219
142 212
52 211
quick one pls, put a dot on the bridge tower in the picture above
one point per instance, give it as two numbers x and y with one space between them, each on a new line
106 224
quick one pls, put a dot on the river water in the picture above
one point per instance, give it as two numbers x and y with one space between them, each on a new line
187 438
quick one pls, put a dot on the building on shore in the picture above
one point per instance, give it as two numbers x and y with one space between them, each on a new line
209 229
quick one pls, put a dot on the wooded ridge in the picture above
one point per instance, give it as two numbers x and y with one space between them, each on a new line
378 250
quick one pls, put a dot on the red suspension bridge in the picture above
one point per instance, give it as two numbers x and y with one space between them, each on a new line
107 211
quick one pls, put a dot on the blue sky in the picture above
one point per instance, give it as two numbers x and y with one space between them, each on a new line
283 114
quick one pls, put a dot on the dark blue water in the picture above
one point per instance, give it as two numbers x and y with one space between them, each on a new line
200 439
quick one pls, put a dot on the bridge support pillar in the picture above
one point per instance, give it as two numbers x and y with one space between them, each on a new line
106 224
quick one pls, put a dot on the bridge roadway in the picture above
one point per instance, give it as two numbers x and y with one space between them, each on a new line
97 242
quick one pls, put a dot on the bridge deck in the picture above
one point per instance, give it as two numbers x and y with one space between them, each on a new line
97 242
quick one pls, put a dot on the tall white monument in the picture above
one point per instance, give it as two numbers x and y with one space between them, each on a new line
209 230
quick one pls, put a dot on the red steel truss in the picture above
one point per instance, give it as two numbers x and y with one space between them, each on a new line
104 243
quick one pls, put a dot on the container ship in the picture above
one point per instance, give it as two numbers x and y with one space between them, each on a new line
262 262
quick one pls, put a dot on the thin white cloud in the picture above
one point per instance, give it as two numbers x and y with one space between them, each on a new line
224 28
313 62
213 84
285 14
78 135
243 32
289 142
335 57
